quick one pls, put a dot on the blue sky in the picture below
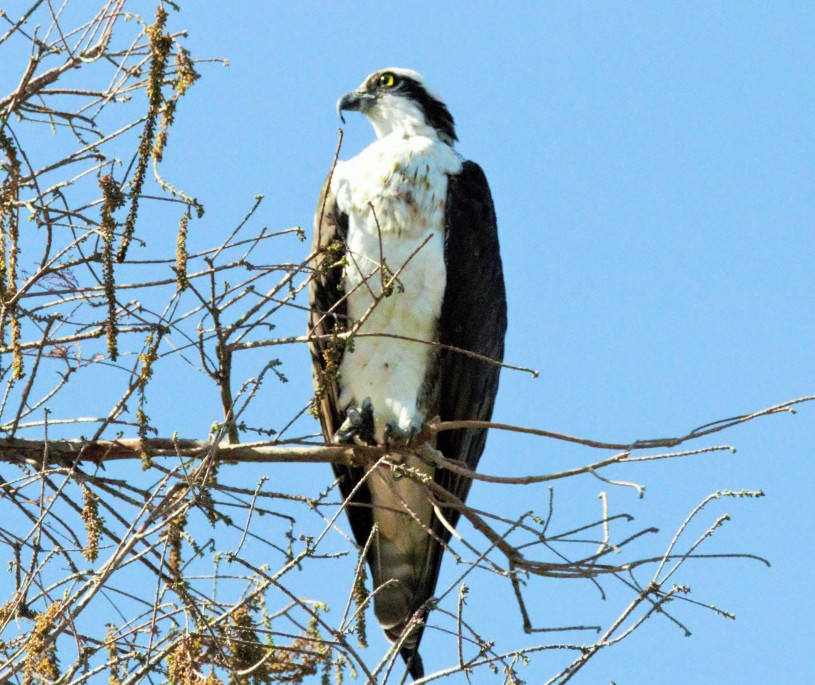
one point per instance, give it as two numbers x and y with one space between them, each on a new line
652 167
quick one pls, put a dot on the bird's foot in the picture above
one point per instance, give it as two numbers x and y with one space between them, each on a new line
396 436
358 427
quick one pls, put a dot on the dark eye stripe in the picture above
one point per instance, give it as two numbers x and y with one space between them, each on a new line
435 111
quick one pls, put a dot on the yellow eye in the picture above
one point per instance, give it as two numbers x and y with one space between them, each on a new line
387 80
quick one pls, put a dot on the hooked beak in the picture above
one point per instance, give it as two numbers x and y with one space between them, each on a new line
356 101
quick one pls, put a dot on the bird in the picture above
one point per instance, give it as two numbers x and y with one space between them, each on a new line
407 319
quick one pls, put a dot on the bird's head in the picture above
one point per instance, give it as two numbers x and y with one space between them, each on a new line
400 100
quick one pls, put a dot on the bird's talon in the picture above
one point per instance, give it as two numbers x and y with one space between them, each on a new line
358 427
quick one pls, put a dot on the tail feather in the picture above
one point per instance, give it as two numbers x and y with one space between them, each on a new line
408 634
413 661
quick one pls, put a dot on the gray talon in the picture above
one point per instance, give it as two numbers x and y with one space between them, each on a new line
358 427
394 434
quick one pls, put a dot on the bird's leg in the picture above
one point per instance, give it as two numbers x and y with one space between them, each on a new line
358 427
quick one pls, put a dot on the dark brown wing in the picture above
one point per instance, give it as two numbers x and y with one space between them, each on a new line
327 314
473 318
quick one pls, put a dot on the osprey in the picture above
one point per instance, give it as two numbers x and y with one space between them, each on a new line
407 261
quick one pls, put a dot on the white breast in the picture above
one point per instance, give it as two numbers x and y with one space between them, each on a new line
404 180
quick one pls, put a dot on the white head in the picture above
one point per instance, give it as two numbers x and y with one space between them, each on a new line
400 100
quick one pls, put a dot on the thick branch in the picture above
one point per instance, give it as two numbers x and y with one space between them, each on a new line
71 451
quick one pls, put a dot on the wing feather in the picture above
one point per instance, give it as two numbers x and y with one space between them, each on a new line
327 315
473 318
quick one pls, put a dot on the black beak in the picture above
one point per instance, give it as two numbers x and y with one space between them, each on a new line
356 101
